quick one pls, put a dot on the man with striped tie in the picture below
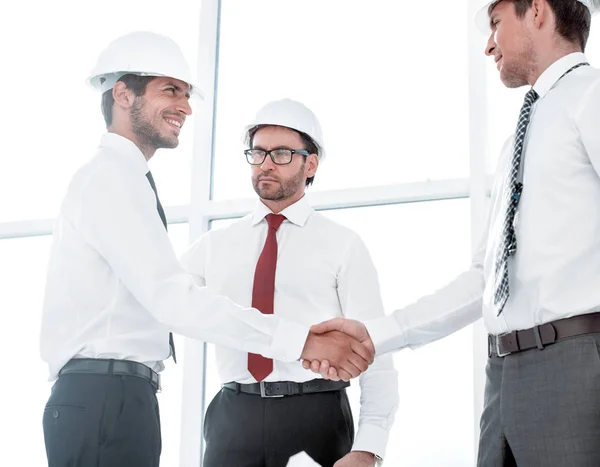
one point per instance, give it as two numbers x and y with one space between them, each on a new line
536 276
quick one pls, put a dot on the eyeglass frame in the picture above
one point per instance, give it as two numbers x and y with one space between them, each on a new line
302 152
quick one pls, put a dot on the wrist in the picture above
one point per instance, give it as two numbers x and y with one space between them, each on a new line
366 455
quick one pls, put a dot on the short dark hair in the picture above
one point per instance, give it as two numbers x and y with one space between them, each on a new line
307 141
573 18
134 82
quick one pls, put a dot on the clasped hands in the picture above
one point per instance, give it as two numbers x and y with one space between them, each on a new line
338 349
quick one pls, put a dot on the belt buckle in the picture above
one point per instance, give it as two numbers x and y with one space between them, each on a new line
158 385
263 392
498 345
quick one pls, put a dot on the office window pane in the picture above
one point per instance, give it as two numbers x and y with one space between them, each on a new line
417 248
391 112
504 104
26 389
52 118
172 377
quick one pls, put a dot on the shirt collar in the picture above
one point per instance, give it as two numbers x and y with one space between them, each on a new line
125 147
298 213
552 74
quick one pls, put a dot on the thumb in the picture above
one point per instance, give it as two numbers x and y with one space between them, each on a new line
335 324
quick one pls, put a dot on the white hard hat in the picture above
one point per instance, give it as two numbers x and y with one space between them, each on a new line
290 114
482 19
140 53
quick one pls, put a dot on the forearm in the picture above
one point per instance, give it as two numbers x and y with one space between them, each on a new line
432 317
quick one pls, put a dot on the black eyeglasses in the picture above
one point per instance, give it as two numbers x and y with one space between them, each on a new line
279 156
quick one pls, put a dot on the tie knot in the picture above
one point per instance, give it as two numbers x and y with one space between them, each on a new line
274 220
531 96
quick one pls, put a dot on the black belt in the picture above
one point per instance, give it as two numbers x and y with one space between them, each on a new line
101 366
287 388
542 335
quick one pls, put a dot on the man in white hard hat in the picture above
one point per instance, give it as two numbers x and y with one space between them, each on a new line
115 287
284 258
536 275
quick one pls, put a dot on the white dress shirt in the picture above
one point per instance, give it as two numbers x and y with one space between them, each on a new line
555 272
323 270
115 287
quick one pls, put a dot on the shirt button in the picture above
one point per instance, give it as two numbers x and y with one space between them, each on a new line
55 413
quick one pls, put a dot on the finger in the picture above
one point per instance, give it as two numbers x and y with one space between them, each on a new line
333 374
349 367
363 351
359 362
324 369
344 375
335 324
306 364
315 365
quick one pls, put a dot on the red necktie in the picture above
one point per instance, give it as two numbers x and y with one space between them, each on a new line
263 292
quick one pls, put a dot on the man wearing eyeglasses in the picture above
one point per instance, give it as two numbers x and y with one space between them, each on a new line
285 258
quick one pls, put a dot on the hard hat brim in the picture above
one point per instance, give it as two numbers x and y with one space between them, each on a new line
95 82
482 19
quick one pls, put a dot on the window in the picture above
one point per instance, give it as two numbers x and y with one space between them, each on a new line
391 112
54 118
23 273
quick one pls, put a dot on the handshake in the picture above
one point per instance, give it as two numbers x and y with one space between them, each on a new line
338 349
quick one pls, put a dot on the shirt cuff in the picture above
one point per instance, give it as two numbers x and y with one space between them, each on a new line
371 438
288 341
386 333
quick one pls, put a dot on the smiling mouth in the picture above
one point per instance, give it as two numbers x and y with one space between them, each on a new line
174 123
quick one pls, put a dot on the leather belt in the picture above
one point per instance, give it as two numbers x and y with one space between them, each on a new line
101 366
287 388
543 335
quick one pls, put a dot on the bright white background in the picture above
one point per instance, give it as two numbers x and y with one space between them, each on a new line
411 112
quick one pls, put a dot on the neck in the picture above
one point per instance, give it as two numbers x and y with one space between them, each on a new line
147 151
544 60
276 206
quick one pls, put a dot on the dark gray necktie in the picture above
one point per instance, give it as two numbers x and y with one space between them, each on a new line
161 213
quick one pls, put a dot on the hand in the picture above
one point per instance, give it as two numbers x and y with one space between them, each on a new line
348 326
344 353
357 459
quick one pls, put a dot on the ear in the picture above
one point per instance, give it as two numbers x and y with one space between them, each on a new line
312 163
122 95
540 11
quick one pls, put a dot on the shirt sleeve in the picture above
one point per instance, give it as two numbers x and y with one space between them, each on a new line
437 315
449 309
118 218
586 119
360 298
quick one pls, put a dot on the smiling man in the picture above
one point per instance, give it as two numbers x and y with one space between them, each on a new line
115 287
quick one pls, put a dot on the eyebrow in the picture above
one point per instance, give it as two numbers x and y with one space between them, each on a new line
178 88
278 147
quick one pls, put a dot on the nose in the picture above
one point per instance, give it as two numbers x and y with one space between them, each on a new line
267 164
491 45
183 106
